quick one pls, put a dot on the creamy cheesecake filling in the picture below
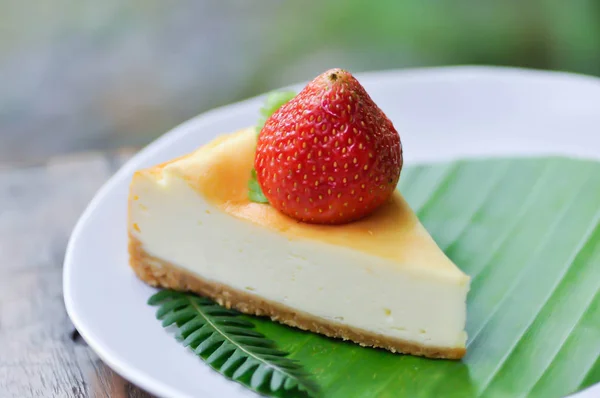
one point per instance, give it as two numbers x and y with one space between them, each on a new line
219 172
352 287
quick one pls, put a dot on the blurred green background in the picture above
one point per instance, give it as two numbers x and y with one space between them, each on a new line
88 75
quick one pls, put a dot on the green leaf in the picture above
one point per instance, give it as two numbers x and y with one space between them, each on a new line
273 102
255 193
528 232
229 344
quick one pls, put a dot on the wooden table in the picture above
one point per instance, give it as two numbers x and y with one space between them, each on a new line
41 354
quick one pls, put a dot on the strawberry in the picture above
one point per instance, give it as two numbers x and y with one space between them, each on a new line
329 155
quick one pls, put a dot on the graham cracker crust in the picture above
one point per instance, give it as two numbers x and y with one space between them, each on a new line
159 273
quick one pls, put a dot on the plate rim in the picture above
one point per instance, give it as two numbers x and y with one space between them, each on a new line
159 388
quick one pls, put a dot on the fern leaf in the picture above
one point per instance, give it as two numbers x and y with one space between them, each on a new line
232 363
220 354
231 345
197 336
191 326
250 364
277 381
178 317
259 376
207 346
170 306
241 331
289 384
162 296
235 322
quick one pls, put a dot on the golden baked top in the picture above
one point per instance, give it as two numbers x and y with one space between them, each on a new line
219 171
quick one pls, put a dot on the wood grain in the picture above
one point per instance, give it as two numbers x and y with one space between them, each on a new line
40 354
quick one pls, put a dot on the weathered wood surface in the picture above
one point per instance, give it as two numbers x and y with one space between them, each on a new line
40 353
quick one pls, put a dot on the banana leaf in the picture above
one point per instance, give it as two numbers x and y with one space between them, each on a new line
527 231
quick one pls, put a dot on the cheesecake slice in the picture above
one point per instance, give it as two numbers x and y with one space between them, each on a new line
380 281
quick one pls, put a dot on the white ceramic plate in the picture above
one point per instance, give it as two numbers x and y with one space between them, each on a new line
440 113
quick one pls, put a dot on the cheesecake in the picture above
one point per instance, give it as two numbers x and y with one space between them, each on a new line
380 281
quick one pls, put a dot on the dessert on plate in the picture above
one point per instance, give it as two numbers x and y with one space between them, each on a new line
303 223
